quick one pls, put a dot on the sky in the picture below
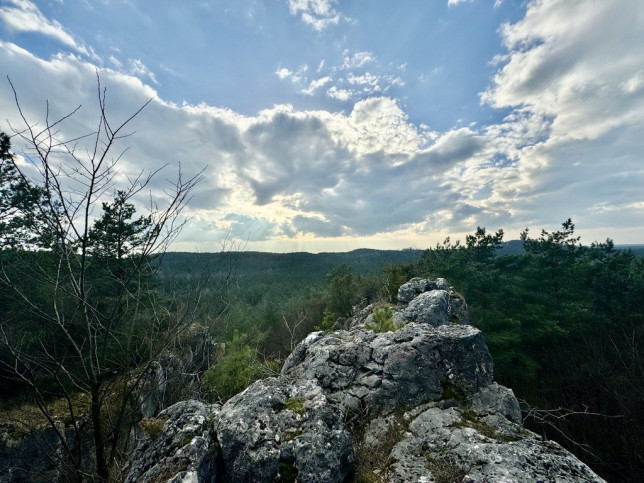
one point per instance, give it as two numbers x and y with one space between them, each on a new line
330 125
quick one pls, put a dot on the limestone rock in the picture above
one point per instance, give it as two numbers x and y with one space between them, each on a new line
184 449
456 444
385 370
274 431
495 399
429 308
410 290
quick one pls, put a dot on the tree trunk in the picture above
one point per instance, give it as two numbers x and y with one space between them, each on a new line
102 468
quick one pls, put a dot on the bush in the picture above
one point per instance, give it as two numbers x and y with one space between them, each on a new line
383 321
235 371
328 321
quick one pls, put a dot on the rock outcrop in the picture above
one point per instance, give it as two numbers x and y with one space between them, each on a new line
177 446
382 371
417 404
280 431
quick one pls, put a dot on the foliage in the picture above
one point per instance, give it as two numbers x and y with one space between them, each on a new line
19 200
328 321
83 319
342 291
296 405
563 323
382 321
238 367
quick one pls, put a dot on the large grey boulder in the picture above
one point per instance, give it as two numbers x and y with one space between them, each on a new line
274 431
182 448
431 308
410 290
384 370
457 444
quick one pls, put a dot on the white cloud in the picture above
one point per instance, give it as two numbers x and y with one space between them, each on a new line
347 84
457 2
365 79
316 84
358 60
339 94
295 76
139 69
563 69
283 73
277 175
633 84
115 62
319 14
24 16
576 102
570 144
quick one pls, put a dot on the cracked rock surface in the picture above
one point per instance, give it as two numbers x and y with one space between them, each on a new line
184 450
275 431
458 443
385 370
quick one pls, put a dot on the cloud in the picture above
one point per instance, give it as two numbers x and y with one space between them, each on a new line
250 228
575 107
458 2
139 69
340 94
115 62
24 16
372 84
283 73
569 144
567 72
319 14
357 60
349 79
297 76
316 226
316 84
634 84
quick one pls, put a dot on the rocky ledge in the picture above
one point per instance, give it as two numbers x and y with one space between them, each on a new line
417 404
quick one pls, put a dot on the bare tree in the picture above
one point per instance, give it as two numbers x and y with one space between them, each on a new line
102 324
292 327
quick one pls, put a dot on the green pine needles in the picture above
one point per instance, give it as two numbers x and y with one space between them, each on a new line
383 320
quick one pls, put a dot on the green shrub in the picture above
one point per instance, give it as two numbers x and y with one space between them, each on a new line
235 371
328 321
383 321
